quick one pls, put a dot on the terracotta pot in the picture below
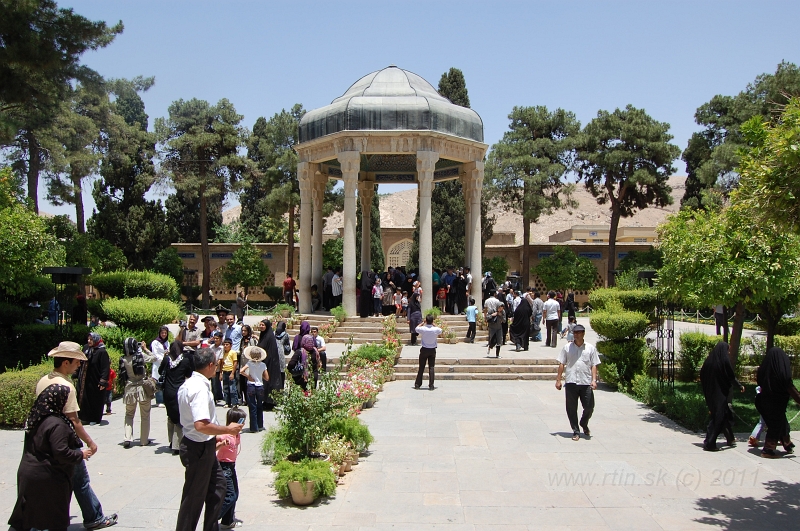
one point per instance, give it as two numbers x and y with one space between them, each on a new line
342 469
347 466
298 496
369 403
286 313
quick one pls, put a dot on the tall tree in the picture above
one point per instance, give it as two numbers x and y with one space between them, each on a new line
123 216
712 155
528 165
77 131
275 190
447 198
377 259
200 144
183 215
625 159
39 58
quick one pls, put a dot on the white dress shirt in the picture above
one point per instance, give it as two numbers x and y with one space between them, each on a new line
195 403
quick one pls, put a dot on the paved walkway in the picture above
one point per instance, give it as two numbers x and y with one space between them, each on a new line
471 456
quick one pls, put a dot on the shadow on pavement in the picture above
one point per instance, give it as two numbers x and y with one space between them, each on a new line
779 510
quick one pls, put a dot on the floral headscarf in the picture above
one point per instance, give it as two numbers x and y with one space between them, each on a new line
50 402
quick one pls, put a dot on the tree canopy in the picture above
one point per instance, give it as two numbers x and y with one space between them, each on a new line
246 268
625 159
566 270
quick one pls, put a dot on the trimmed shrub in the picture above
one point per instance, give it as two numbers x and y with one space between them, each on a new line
694 348
18 389
623 360
620 324
638 300
140 313
128 284
114 336
275 293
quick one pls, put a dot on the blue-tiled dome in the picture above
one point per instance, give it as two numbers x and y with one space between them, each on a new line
391 99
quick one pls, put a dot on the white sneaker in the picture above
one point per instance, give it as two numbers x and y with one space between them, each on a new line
233 525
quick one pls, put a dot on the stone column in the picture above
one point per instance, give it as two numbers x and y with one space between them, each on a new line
366 191
426 163
467 190
350 162
318 194
474 172
305 176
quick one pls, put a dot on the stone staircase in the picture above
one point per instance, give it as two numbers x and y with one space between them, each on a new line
481 369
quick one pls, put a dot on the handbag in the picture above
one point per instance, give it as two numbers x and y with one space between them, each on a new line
150 386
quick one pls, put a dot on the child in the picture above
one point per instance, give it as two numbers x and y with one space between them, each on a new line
228 448
472 314
398 302
568 329
755 436
230 362
404 302
441 298
109 390
377 297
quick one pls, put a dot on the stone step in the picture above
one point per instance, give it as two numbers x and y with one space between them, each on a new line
484 369
479 376
481 361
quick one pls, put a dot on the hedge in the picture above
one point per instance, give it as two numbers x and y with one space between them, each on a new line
619 325
694 348
789 326
622 361
128 284
688 409
140 313
18 390
637 300
28 344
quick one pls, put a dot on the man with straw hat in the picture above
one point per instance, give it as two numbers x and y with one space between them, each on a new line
67 357
255 370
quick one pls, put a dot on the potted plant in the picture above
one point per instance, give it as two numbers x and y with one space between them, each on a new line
353 431
338 451
304 481
286 310
339 314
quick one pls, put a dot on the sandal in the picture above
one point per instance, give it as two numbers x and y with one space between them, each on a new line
576 437
107 521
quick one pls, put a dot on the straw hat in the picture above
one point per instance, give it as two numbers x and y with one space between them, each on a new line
254 353
67 349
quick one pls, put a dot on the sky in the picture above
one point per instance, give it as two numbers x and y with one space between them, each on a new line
667 57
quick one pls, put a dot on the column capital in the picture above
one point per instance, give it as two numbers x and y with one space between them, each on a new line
318 189
426 161
350 162
366 190
304 177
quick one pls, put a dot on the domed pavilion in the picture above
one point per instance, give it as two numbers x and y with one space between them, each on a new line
389 127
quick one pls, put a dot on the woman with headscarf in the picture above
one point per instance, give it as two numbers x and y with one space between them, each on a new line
520 327
267 342
176 367
298 365
775 378
159 348
571 306
93 380
284 348
305 329
133 376
365 298
717 379
51 451
414 313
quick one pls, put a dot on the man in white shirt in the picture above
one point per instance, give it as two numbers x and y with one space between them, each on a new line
336 288
205 483
550 317
580 360
427 352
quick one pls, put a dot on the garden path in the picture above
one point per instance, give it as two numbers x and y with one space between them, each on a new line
470 456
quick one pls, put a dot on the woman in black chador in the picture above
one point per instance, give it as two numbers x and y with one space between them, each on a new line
365 301
775 378
176 366
717 379
267 341
93 380
520 328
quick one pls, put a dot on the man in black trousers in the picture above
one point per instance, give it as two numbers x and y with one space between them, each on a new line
205 483
427 353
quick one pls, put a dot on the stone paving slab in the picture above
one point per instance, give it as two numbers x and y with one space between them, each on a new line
470 456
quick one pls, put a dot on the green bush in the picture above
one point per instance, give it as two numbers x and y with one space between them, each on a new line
618 325
433 310
688 409
627 357
18 389
140 313
372 352
694 348
275 293
637 300
276 445
352 430
789 326
339 313
114 336
314 470
127 284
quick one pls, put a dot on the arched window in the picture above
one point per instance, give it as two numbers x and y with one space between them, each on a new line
399 253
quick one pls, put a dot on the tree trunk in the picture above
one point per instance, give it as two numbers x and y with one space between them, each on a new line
204 243
290 243
612 244
34 165
79 214
772 321
736 333
526 253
